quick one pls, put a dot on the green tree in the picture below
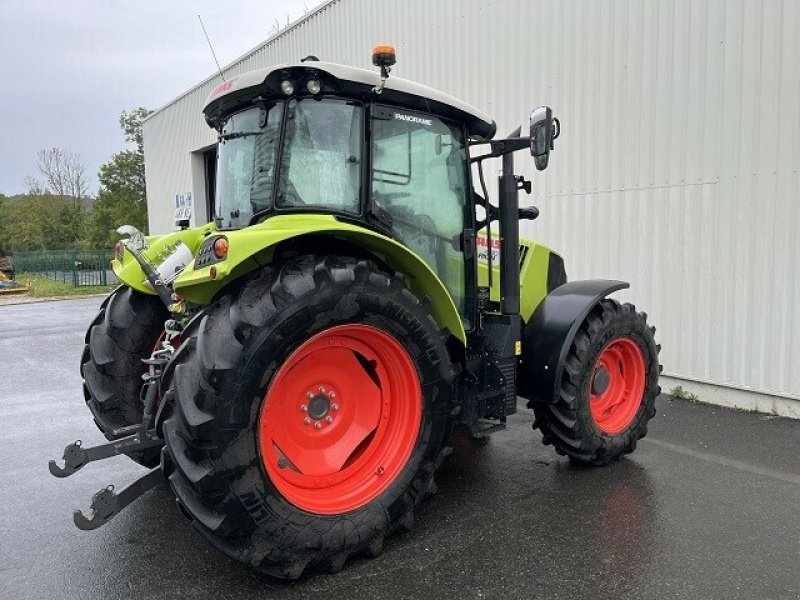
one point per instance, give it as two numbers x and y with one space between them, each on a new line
4 209
111 210
122 199
44 222
30 224
131 123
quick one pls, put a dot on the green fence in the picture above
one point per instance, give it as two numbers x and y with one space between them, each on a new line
89 267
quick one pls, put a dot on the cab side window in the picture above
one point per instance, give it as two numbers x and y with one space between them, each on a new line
419 178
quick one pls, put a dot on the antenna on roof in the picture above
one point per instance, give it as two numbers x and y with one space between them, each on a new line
214 54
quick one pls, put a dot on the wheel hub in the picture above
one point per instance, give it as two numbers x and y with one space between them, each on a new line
600 381
319 406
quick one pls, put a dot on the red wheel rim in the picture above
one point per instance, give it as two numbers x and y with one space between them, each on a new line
340 419
616 388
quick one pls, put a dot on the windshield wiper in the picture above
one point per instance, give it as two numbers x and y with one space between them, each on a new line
237 134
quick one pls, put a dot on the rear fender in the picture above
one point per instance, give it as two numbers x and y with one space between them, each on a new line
254 247
549 333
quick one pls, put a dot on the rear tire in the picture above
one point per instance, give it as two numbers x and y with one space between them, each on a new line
598 425
229 377
122 334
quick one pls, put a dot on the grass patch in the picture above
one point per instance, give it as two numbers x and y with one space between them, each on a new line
41 287
681 393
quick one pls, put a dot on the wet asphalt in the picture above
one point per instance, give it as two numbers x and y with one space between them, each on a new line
707 507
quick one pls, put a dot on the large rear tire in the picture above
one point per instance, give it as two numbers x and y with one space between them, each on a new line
122 334
608 387
312 405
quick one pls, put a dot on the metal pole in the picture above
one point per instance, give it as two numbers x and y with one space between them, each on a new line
509 238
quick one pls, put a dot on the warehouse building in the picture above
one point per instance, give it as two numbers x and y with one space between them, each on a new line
677 168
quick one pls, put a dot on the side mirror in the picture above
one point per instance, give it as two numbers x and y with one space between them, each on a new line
544 129
440 143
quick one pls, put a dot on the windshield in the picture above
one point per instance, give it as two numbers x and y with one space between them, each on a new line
246 165
320 163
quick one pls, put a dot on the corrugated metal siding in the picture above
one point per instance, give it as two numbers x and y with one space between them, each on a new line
678 164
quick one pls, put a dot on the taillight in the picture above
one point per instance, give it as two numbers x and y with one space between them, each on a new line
221 248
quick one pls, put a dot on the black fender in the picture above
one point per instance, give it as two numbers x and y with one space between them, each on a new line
549 332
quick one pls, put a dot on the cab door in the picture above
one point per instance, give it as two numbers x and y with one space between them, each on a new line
420 180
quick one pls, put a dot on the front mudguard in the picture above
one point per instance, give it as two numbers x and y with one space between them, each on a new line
549 333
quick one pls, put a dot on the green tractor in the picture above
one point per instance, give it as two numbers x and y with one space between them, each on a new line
295 368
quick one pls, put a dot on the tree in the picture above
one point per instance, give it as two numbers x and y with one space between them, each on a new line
30 224
122 199
131 123
125 172
3 224
63 172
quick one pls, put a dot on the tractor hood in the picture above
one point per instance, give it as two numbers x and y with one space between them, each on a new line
343 80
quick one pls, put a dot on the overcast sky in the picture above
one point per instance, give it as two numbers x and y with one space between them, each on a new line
70 67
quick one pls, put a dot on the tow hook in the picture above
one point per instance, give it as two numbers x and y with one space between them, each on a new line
76 456
107 503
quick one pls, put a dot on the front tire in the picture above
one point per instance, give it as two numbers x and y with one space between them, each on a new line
123 333
608 387
252 456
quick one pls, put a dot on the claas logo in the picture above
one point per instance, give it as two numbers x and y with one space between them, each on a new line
222 87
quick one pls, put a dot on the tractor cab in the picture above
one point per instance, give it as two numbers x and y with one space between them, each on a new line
388 154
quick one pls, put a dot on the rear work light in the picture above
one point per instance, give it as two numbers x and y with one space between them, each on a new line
313 86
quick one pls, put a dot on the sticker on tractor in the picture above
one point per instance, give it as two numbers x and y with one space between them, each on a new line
482 243
413 119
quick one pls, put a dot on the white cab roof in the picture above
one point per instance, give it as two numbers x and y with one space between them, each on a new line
479 123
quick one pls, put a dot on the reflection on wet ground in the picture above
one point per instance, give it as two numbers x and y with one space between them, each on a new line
706 508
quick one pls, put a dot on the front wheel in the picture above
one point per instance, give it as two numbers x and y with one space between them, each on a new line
122 334
313 404
608 387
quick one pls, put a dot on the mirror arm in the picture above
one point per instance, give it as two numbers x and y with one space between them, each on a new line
503 147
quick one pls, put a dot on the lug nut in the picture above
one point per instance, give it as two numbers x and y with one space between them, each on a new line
334 406
307 420
329 419
331 394
317 425
304 408
310 395
321 390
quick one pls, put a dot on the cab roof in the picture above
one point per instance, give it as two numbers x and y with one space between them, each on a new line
238 92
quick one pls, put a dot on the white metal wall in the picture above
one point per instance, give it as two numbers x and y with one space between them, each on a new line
677 168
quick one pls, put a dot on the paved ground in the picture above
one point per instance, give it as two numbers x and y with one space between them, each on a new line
708 507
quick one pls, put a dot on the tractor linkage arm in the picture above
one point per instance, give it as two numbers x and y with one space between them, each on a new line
107 503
